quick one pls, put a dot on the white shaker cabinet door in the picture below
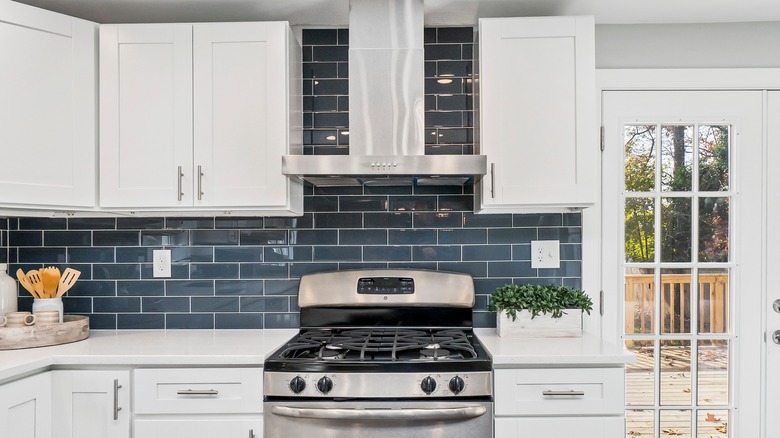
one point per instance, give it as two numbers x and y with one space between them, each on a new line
537 106
26 407
242 111
47 116
146 115
91 403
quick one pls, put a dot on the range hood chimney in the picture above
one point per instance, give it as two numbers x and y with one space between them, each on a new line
386 108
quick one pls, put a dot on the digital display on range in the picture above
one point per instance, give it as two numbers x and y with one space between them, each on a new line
385 285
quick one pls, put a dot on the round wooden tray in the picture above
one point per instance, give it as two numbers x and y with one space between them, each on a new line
73 328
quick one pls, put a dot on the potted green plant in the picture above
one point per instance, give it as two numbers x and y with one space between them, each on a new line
533 310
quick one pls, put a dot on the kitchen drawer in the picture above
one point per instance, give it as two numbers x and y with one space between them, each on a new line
587 427
200 427
198 390
559 391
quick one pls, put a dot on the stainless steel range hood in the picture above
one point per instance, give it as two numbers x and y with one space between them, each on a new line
386 108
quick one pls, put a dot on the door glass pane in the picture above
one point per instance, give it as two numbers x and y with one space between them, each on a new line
675 378
713 372
640 376
676 423
640 229
640 153
639 300
640 423
713 300
675 301
713 158
713 229
676 229
713 423
676 158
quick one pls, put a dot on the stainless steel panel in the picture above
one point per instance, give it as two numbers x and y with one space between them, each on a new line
379 165
378 385
431 288
378 419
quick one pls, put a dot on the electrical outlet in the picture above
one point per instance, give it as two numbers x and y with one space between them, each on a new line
545 254
162 262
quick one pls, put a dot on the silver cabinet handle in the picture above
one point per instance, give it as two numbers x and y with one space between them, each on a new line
563 393
251 433
492 180
776 336
197 392
463 412
116 399
179 175
200 182
776 306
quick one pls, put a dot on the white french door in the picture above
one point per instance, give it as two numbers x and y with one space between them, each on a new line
683 248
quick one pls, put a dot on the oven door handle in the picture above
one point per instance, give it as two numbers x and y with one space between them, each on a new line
416 414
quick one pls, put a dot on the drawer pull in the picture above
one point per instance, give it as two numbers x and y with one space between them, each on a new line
197 392
563 393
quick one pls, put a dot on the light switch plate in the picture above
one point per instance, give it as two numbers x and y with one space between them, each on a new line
545 254
161 263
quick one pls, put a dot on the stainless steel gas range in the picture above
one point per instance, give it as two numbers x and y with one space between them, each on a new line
381 353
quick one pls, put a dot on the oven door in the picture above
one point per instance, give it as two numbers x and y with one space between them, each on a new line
378 419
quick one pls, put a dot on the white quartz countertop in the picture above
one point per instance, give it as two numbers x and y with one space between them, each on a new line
588 351
250 347
149 347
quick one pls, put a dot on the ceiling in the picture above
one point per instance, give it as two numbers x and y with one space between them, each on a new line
326 13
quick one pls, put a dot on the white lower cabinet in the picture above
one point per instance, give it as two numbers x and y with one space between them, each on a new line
200 427
26 407
198 402
558 402
91 403
591 427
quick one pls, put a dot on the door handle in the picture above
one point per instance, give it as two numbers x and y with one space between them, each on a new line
200 182
776 337
492 180
776 305
412 414
116 399
179 175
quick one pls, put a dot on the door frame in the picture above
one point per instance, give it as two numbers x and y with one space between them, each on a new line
756 79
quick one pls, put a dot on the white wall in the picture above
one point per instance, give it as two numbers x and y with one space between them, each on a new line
716 45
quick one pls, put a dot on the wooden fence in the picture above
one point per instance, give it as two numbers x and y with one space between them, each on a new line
675 290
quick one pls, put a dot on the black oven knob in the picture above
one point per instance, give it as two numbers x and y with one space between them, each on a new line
324 385
457 385
428 385
297 384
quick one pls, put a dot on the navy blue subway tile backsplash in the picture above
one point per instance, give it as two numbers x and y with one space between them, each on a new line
242 273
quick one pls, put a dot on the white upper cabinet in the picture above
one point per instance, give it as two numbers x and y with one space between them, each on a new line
536 108
145 115
197 117
47 116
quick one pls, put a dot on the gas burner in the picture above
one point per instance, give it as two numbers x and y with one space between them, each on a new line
326 353
434 353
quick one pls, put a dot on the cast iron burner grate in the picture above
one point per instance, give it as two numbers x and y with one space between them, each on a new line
377 344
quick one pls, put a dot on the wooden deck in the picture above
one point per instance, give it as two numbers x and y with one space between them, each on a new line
676 391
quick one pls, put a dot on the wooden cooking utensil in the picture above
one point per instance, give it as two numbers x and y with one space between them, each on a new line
25 282
35 280
69 276
50 277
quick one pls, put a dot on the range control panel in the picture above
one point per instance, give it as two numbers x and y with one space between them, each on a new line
385 285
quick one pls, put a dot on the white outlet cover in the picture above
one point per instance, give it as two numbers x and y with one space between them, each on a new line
545 254
161 263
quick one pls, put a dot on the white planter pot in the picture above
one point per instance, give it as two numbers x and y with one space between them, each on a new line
543 326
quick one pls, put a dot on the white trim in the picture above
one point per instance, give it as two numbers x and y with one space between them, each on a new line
688 79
